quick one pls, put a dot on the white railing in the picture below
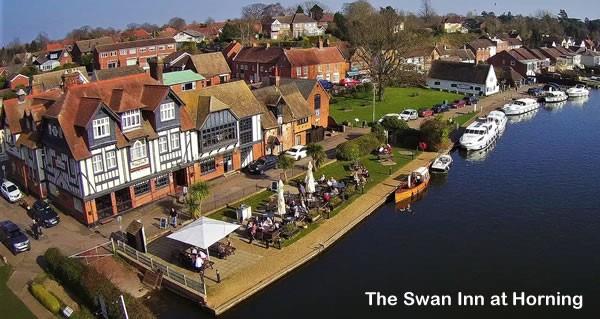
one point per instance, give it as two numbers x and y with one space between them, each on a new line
154 265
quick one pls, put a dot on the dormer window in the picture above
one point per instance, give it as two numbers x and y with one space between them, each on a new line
101 128
130 120
167 111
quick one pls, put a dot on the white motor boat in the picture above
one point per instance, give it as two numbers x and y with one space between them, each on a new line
555 97
520 106
499 118
578 91
479 135
523 117
441 164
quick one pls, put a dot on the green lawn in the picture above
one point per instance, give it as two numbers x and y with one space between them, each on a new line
464 118
12 307
348 108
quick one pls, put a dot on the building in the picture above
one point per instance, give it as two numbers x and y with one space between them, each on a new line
84 49
18 81
189 36
183 81
483 49
317 98
107 74
22 126
418 59
212 66
257 64
55 79
293 26
590 59
454 24
117 144
457 55
506 42
467 78
228 119
107 56
323 63
231 51
521 60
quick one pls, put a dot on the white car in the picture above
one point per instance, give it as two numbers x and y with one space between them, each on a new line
365 80
409 114
394 115
297 152
10 191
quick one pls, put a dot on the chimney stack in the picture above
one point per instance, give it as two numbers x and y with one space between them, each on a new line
156 69
21 96
70 79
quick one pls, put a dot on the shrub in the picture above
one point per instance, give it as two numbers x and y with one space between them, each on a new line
408 138
347 151
83 313
379 131
333 100
353 149
367 143
45 298
394 124
435 133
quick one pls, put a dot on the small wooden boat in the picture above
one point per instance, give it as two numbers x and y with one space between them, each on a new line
441 164
416 183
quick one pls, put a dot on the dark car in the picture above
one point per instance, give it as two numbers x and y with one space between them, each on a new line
440 108
470 99
261 165
326 84
535 91
44 214
12 236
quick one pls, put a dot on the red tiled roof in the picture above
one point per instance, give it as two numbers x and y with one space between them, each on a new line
55 46
34 105
314 56
259 55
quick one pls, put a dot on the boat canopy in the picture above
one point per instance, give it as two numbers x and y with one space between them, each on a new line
423 171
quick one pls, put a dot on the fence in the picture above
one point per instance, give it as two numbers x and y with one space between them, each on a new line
167 272
95 253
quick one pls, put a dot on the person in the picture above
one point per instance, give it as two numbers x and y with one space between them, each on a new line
34 230
253 232
326 197
198 263
302 189
322 179
173 215
194 251
202 255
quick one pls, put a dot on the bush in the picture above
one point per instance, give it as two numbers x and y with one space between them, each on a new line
333 100
347 151
83 313
367 144
379 131
45 298
408 138
435 133
353 149
394 124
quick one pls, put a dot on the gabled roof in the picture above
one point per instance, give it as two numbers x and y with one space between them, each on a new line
53 79
134 44
482 43
459 71
294 106
210 64
15 76
295 18
237 96
167 32
107 74
193 33
87 46
314 56
305 86
35 106
259 55
178 77
454 19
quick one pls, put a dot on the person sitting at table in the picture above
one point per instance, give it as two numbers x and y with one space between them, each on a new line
252 230
334 191
322 179
194 251
198 262
366 172
202 255
326 197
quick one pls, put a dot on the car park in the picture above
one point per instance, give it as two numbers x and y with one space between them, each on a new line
389 115
409 114
440 108
44 214
12 236
297 152
263 164
10 191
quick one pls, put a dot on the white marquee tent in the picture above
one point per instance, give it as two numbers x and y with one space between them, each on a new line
204 232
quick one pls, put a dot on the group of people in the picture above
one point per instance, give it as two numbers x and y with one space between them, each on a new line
261 224
360 174
198 258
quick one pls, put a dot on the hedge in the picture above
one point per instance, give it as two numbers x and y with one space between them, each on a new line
87 283
351 150
46 298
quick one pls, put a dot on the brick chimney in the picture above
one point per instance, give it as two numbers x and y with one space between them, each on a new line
156 69
70 79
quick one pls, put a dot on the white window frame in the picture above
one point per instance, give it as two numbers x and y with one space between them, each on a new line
130 120
167 111
183 89
152 48
111 159
298 71
163 144
97 164
138 150
175 141
104 54
123 51
132 51
101 127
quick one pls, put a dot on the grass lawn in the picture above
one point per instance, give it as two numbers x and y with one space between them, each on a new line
11 306
464 118
395 100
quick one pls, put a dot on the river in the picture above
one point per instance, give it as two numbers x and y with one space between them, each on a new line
523 217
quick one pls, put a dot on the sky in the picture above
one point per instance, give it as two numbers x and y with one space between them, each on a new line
25 19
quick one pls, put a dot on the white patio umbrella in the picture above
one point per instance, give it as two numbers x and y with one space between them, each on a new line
280 199
310 179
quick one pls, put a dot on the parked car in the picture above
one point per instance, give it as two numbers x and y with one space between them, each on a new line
44 214
471 99
389 115
297 152
10 191
535 92
409 114
425 113
440 108
349 82
326 84
365 80
263 164
458 104
12 236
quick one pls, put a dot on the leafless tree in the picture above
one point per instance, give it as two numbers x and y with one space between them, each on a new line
381 45
252 15
177 23
427 12
273 10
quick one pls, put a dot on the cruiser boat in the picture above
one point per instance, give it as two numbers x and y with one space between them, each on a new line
499 118
522 118
441 164
479 135
415 184
520 106
578 90
555 97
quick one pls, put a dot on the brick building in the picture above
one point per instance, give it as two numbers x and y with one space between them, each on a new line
132 53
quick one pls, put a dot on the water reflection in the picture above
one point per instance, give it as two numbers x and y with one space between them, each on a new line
555 107
579 101
523 117
478 156
404 206
438 179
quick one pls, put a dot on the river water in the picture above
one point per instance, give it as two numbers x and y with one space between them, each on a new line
525 216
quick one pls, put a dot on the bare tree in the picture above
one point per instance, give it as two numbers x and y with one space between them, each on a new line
381 45
252 15
177 23
427 12
273 10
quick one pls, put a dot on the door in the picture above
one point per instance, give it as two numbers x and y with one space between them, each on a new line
228 162
246 156
180 177
298 140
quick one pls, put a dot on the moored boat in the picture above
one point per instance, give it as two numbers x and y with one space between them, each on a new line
520 106
479 135
555 97
441 164
500 119
416 183
578 90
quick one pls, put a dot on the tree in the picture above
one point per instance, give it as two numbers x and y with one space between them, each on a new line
251 15
562 15
300 10
393 124
229 32
189 47
317 153
435 133
209 20
196 194
285 162
273 10
177 23
427 12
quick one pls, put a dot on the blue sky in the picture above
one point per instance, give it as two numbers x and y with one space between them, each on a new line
24 19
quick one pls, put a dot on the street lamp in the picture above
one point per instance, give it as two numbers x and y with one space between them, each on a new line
374 85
